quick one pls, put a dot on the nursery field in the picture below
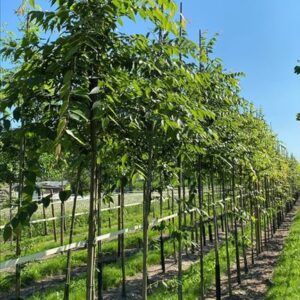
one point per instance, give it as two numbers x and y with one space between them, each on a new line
130 165
43 279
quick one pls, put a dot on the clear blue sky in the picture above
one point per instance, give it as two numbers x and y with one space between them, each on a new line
258 37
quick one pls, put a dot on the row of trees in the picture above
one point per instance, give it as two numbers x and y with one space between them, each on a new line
122 106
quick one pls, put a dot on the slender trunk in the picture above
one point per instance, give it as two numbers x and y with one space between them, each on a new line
196 218
122 244
10 207
68 268
236 240
257 227
222 208
90 287
179 276
269 217
99 232
19 233
62 217
45 222
162 254
146 211
109 217
242 223
216 246
184 210
200 198
210 233
251 223
173 224
119 224
53 216
226 236
193 227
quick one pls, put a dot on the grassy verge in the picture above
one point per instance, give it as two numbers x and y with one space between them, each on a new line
286 277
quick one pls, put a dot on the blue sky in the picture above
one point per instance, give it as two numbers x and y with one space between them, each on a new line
258 37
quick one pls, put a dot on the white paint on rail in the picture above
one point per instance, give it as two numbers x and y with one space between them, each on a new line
77 246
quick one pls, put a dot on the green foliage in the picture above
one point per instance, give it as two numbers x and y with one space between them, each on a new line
64 195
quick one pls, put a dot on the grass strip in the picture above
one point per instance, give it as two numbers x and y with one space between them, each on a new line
286 276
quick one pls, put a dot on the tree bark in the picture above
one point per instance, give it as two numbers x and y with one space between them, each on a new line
68 268
90 287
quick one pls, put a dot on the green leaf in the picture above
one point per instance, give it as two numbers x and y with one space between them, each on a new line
27 192
7 233
14 222
32 3
79 113
30 177
17 114
64 195
46 200
70 133
6 124
31 208
61 127
23 217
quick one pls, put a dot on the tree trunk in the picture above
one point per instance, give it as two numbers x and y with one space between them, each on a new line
62 217
146 211
162 254
90 287
53 216
201 237
226 236
45 222
10 207
173 224
99 232
242 223
179 277
251 222
216 246
122 244
18 235
68 268
236 239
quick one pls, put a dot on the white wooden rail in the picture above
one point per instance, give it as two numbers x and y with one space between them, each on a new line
80 214
76 246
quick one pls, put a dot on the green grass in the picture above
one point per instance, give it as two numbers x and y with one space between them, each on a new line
286 277
111 276
56 265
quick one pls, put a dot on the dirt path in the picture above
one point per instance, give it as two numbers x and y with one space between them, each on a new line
256 282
